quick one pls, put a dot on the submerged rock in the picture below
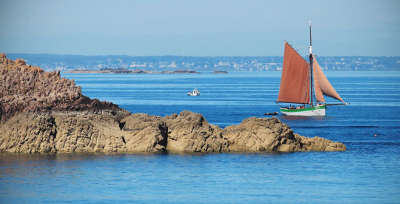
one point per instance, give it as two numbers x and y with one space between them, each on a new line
40 112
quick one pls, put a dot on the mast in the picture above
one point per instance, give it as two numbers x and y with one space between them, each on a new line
311 69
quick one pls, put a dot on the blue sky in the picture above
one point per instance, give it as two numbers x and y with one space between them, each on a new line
199 28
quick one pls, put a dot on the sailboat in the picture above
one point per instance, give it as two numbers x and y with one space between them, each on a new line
195 92
298 86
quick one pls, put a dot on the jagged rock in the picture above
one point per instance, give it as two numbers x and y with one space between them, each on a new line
190 132
144 133
28 88
28 133
318 144
271 135
66 132
87 132
256 134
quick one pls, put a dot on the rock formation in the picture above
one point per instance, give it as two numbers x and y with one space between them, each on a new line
271 135
190 132
41 112
26 88
82 131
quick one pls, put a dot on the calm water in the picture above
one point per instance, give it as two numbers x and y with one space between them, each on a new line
369 172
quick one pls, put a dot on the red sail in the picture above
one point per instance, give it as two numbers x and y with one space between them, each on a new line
317 89
295 81
321 84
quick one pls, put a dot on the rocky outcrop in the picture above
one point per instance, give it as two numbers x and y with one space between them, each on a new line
144 133
28 133
26 88
41 112
86 131
190 132
271 135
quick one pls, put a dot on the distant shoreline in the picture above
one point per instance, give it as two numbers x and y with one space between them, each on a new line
51 62
128 71
136 71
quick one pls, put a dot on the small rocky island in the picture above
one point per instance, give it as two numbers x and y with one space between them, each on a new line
220 72
128 71
41 112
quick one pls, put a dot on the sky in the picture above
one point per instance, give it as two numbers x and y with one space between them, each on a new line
199 28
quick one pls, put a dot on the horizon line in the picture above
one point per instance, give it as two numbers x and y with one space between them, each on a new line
125 55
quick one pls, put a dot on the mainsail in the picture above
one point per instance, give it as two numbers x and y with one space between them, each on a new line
295 81
321 84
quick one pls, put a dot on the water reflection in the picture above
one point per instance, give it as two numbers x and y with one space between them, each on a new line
13 157
287 117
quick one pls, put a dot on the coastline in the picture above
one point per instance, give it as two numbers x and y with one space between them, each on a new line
137 71
129 71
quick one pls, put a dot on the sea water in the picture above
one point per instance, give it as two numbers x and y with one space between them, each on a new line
368 172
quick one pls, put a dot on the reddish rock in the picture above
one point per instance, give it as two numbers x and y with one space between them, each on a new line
28 88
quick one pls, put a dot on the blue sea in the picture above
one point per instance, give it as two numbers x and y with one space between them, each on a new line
368 172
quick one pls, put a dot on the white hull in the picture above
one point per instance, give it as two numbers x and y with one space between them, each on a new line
314 112
195 92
